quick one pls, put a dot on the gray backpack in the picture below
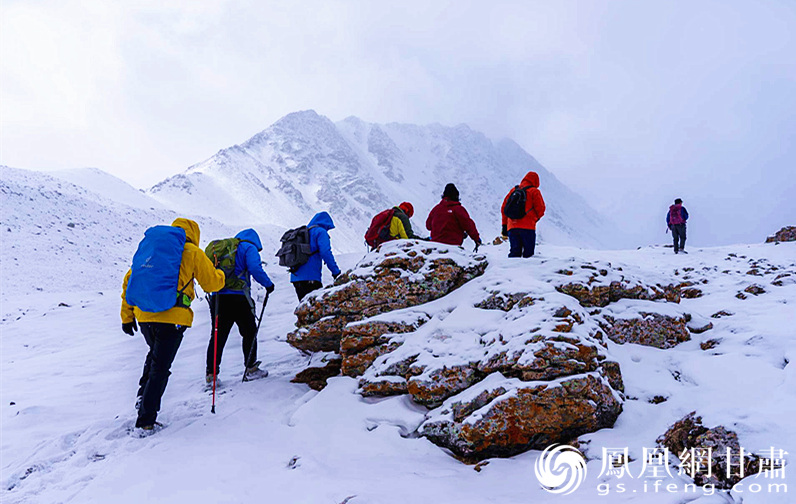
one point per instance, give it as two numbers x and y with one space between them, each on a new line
295 250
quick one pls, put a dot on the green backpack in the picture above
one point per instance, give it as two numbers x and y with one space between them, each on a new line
222 254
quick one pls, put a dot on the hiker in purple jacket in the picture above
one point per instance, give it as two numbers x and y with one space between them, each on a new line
675 219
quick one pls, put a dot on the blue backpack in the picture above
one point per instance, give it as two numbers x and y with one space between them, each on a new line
152 286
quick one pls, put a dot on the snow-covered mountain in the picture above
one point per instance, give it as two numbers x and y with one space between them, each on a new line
305 163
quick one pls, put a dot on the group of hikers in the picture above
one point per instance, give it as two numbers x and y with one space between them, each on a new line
169 259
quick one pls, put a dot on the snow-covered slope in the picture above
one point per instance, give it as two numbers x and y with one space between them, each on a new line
70 376
104 184
58 236
305 163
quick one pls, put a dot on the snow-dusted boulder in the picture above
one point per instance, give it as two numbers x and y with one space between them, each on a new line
501 417
661 325
689 433
596 284
399 274
786 234
506 363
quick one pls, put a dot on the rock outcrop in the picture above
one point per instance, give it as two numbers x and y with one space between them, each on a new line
504 372
504 361
500 418
689 434
786 234
398 275
660 325
597 284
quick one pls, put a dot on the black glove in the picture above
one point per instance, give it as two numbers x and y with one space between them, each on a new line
269 289
130 328
477 244
504 231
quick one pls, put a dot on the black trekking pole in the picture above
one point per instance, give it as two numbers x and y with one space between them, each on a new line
256 332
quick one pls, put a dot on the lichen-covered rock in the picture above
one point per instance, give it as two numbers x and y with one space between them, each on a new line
786 234
689 433
322 336
553 356
505 301
660 330
755 289
691 293
602 295
399 274
433 388
500 418
554 341
363 342
355 364
383 386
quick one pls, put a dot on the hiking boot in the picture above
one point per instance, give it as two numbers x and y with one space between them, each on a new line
683 252
254 373
151 427
209 378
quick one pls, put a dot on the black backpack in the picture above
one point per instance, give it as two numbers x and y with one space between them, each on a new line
295 250
515 206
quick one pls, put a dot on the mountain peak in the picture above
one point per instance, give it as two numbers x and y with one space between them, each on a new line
305 163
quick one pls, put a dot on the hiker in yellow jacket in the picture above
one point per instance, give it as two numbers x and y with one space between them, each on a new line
400 226
163 330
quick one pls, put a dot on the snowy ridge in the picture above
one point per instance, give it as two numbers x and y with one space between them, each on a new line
58 236
305 163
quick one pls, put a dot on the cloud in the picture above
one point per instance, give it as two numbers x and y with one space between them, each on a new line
630 103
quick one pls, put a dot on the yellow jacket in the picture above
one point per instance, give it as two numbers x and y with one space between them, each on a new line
195 264
397 229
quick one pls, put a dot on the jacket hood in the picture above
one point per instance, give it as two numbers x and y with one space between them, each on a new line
322 219
191 229
250 235
530 179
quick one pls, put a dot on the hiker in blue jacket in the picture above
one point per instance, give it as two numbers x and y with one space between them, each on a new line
307 277
237 307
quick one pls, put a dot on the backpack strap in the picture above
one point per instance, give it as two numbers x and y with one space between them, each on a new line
308 229
181 302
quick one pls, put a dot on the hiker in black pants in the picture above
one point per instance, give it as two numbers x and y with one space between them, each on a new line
163 327
235 306
675 220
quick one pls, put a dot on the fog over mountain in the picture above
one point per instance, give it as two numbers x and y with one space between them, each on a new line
305 163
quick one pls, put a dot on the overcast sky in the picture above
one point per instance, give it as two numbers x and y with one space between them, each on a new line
630 103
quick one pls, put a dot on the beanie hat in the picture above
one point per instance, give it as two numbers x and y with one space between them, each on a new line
451 192
678 201
408 209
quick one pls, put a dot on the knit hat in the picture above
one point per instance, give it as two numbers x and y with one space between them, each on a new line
451 192
678 201
408 209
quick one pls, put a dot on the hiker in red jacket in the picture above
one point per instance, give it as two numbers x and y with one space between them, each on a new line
675 221
520 214
449 222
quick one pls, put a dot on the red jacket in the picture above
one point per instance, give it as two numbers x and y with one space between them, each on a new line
450 223
534 204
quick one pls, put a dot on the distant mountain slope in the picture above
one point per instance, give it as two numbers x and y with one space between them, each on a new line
104 184
58 236
305 163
